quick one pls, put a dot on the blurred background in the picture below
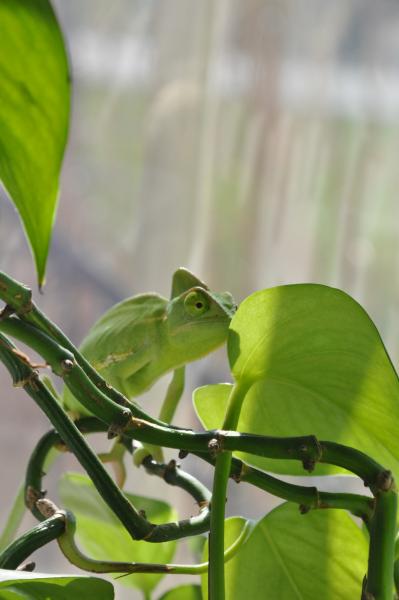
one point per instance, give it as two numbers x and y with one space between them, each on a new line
254 142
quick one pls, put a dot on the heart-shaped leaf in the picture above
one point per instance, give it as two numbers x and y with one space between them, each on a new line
21 585
316 365
34 116
103 537
322 554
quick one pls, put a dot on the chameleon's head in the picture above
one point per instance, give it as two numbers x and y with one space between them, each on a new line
198 320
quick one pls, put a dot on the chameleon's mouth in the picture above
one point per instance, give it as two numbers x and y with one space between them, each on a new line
217 322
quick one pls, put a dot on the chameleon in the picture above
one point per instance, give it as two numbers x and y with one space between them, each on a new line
142 338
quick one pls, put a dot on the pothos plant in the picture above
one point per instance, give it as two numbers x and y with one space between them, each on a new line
313 391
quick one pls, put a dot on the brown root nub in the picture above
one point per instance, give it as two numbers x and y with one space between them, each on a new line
32 496
28 566
214 446
309 464
47 507
67 365
6 312
385 481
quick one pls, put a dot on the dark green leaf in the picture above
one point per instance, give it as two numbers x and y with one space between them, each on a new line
34 115
21 585
102 535
322 554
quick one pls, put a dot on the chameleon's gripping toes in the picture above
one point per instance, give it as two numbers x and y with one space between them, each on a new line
140 339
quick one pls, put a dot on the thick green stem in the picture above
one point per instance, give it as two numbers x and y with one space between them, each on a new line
18 297
229 553
40 535
380 576
308 497
216 588
372 473
63 364
303 448
173 475
67 544
23 375
39 460
396 577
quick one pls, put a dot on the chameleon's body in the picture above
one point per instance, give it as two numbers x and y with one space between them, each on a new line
140 339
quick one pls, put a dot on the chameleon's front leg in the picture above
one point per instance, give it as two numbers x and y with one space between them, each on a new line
169 405
173 395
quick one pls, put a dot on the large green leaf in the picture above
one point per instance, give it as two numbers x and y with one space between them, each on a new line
34 115
102 536
21 585
317 365
183 592
288 556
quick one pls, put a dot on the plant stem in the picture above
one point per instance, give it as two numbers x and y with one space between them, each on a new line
372 473
18 297
67 544
63 364
22 374
396 576
173 475
303 448
380 577
39 462
229 553
35 538
216 588
308 497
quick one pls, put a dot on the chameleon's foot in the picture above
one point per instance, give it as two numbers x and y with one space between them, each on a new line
141 453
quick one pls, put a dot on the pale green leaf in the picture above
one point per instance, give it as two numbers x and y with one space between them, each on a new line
317 365
22 585
34 115
289 556
183 592
102 536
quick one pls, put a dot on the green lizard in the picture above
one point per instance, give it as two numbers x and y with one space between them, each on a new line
144 337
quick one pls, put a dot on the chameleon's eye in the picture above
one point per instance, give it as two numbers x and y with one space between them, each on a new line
196 303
